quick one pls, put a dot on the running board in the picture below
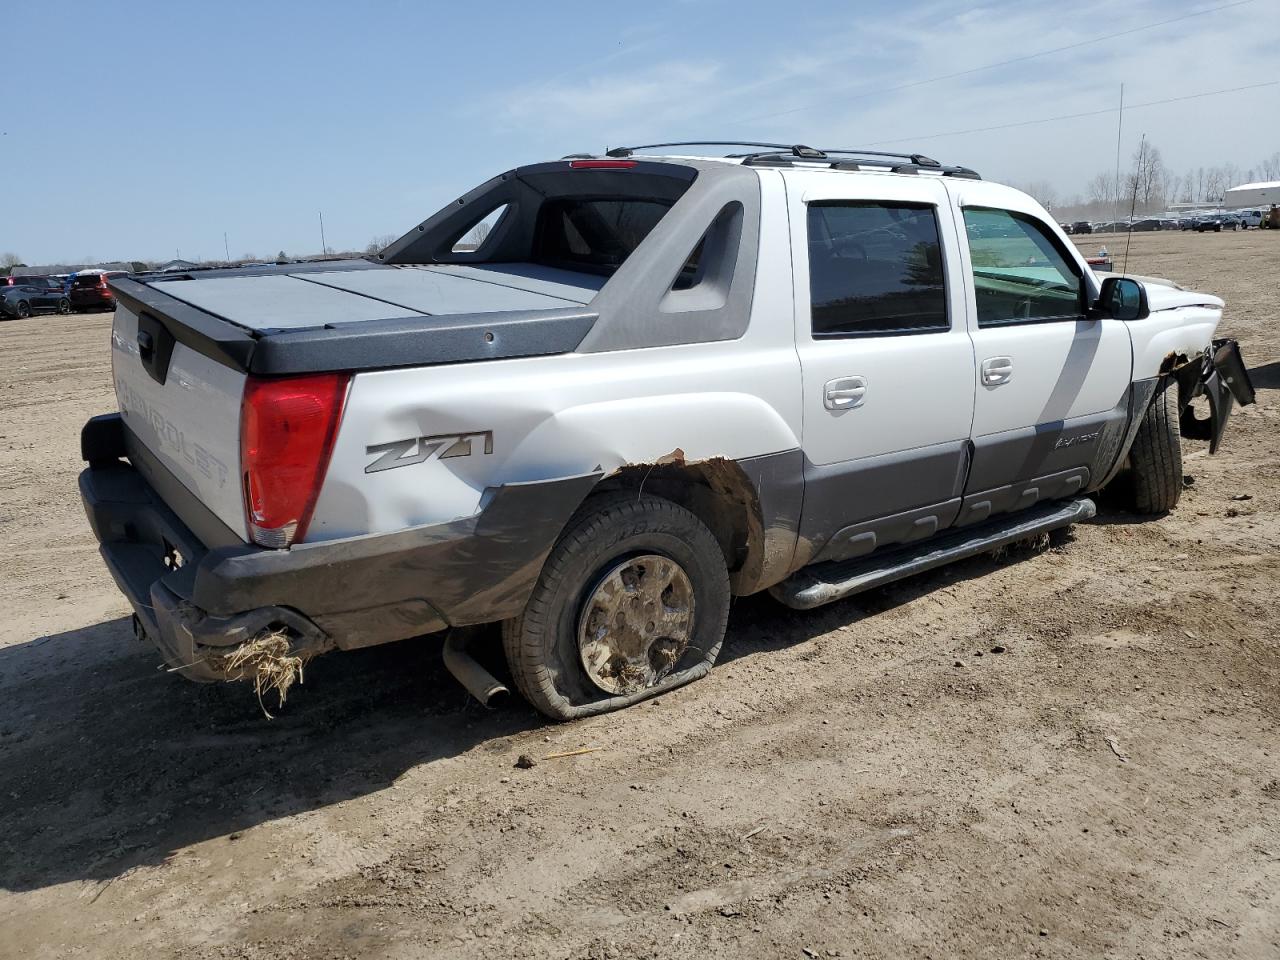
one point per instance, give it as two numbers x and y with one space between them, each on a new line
826 582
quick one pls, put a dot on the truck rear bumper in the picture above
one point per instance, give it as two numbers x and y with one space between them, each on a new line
197 604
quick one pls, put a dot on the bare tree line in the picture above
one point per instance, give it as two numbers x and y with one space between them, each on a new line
1152 184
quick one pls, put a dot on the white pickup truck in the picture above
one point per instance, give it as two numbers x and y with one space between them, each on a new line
657 382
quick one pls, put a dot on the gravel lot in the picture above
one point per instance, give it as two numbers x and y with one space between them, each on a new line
1070 752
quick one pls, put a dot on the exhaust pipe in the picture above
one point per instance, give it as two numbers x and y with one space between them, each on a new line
480 683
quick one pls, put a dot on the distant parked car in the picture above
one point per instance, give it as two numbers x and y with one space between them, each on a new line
89 291
1145 225
1066 228
1249 218
1081 226
32 295
1187 223
1217 222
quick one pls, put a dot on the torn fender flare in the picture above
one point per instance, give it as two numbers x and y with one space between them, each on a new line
1223 378
1230 366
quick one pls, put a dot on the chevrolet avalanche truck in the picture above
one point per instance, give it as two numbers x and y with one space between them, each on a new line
655 383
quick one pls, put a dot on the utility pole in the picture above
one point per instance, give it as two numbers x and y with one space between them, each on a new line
1115 210
324 249
226 246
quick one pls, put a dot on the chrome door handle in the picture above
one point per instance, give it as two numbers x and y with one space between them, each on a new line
996 370
844 393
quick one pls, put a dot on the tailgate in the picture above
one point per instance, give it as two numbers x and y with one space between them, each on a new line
187 417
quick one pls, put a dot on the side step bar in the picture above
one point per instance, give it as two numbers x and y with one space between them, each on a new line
827 582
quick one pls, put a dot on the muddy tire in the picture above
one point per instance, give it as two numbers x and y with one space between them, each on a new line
1156 455
633 600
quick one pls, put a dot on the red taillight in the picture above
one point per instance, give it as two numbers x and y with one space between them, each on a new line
601 164
287 429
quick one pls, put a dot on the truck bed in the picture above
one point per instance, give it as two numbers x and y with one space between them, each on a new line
358 315
314 298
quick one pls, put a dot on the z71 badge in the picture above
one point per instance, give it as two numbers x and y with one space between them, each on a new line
404 453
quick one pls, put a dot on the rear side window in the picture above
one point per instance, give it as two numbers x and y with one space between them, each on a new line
1019 274
595 235
875 268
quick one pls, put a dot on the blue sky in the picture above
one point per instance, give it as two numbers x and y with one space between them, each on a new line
134 130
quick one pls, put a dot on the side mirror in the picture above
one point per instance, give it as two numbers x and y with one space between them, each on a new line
1122 298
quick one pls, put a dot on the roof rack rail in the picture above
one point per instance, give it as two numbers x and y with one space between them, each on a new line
783 154
858 160
628 151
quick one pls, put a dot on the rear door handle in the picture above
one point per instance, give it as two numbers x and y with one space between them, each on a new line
997 370
844 393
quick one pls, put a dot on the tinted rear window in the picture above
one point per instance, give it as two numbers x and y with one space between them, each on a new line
593 234
90 280
875 268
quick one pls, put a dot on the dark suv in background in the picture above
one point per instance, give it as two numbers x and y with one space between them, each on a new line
89 291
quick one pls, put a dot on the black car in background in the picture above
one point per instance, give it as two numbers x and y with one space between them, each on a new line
1217 222
28 295
1082 226
89 291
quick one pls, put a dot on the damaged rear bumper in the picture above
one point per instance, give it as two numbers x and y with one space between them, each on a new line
198 604
1219 375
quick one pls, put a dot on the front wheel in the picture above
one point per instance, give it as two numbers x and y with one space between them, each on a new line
633 600
64 306
24 309
1156 455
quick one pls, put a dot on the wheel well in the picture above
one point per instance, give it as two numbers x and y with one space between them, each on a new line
716 491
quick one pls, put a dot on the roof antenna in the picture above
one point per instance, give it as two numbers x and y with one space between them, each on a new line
1133 205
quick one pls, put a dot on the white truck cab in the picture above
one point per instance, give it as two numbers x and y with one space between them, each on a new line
659 381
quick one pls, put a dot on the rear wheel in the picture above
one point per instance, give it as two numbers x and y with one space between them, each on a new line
633 600
1156 455
24 308
64 306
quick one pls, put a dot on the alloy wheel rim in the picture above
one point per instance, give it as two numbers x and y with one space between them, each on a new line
636 624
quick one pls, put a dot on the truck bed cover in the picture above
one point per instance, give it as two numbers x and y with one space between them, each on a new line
352 315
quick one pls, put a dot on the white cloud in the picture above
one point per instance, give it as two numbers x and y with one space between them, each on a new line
857 81
621 104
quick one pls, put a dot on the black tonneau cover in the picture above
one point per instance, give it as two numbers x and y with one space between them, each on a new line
356 315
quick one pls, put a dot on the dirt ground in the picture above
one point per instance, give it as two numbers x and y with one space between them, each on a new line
1064 753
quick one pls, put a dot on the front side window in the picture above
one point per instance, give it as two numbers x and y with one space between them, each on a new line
1019 274
875 268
